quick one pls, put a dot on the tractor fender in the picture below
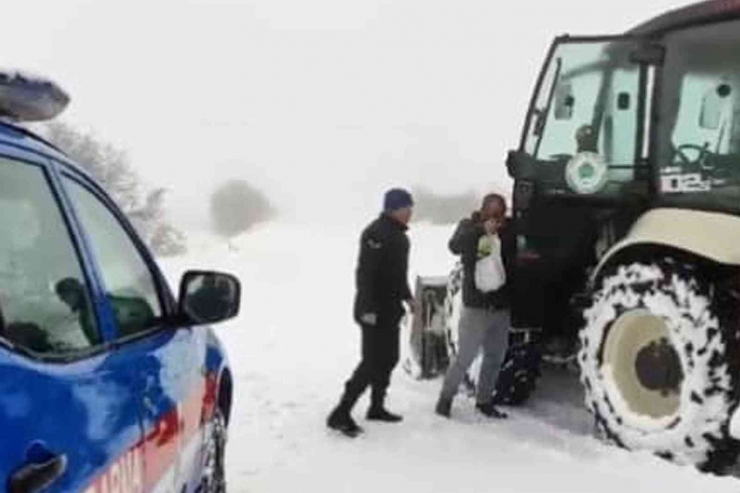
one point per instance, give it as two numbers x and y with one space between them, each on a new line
712 235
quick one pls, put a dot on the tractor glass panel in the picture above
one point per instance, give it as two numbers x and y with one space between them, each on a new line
698 145
583 125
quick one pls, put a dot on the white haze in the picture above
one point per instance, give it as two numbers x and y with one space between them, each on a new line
321 103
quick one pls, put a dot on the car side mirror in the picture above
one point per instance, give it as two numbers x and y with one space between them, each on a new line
208 297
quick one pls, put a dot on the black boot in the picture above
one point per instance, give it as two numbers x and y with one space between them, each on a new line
489 410
384 415
378 412
443 407
341 420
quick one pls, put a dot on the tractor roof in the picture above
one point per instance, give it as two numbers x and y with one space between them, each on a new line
695 14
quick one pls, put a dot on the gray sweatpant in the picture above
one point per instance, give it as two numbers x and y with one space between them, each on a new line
479 329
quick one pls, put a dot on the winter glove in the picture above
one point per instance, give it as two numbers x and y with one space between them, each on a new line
369 318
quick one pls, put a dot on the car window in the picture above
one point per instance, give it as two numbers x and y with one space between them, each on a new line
129 284
44 300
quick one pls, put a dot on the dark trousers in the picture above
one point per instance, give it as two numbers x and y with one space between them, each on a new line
380 353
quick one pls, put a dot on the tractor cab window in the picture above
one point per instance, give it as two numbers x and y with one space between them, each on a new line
699 134
583 125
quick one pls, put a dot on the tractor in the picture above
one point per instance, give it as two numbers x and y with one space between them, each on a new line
626 204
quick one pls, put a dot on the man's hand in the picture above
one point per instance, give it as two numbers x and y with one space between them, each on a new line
369 318
491 226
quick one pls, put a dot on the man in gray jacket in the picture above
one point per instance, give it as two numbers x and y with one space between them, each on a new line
484 322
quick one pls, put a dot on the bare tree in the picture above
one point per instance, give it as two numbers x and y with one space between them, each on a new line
236 206
111 168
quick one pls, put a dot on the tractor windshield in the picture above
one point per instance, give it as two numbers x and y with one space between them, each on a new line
584 121
589 130
698 147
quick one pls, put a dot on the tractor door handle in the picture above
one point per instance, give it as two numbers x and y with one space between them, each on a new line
37 476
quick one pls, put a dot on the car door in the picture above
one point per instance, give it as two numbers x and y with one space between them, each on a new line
168 361
68 410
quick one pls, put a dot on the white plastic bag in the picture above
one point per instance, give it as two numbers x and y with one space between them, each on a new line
489 270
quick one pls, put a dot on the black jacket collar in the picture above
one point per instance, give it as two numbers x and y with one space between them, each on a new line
385 217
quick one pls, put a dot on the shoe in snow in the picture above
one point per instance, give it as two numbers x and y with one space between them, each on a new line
382 414
343 423
443 407
490 411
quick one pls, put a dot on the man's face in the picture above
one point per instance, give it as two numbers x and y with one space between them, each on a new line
403 215
495 210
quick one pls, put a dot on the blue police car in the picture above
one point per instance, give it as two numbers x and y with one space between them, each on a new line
108 382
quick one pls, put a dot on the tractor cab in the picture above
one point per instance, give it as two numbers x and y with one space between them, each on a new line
627 196
621 126
626 206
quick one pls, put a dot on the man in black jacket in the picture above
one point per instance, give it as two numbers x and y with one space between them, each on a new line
484 322
382 288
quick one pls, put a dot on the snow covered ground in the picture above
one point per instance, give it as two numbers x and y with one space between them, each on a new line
295 344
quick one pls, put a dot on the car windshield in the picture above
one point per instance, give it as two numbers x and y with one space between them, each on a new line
698 145
587 109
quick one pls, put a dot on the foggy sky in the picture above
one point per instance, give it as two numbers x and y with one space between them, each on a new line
322 103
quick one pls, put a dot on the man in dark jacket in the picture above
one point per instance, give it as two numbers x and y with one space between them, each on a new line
484 322
382 288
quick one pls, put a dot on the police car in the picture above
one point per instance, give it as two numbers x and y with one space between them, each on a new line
108 382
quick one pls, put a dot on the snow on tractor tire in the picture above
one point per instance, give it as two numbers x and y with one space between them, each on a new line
658 369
